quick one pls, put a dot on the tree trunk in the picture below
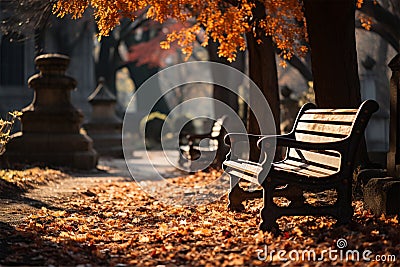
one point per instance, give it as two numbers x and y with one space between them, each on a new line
225 95
220 93
105 66
331 29
262 70
334 56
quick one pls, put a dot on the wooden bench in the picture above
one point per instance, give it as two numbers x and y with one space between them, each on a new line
321 149
195 153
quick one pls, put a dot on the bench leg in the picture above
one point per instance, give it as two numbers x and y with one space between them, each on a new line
235 195
345 213
345 216
294 193
268 218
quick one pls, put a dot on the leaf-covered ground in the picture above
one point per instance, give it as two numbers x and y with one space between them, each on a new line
117 224
22 180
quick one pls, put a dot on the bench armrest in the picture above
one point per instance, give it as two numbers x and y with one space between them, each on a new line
250 140
284 141
240 137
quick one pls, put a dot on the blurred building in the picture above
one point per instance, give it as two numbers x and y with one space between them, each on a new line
70 37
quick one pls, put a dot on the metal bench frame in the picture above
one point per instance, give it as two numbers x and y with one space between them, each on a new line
291 181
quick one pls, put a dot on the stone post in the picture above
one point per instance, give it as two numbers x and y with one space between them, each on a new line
51 124
377 132
382 193
104 127
393 156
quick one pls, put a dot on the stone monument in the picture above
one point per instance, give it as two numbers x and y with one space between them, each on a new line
382 188
104 127
51 124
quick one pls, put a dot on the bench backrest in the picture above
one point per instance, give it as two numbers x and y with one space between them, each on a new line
327 125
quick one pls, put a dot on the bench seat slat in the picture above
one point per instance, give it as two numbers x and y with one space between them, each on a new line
331 160
244 166
244 176
295 165
302 169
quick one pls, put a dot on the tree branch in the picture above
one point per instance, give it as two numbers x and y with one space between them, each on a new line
380 29
382 15
301 67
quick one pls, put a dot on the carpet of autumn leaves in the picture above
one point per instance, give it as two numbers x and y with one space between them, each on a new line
18 181
118 224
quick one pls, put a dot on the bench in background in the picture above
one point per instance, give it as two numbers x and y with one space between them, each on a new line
211 149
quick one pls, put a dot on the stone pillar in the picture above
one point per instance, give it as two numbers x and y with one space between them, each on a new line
382 190
377 131
51 124
393 157
104 127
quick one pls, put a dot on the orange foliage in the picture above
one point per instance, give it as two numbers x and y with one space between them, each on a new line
139 53
225 21
366 21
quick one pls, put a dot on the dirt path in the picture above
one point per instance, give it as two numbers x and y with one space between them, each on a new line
16 205
14 209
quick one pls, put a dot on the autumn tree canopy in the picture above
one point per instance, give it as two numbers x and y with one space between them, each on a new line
225 21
